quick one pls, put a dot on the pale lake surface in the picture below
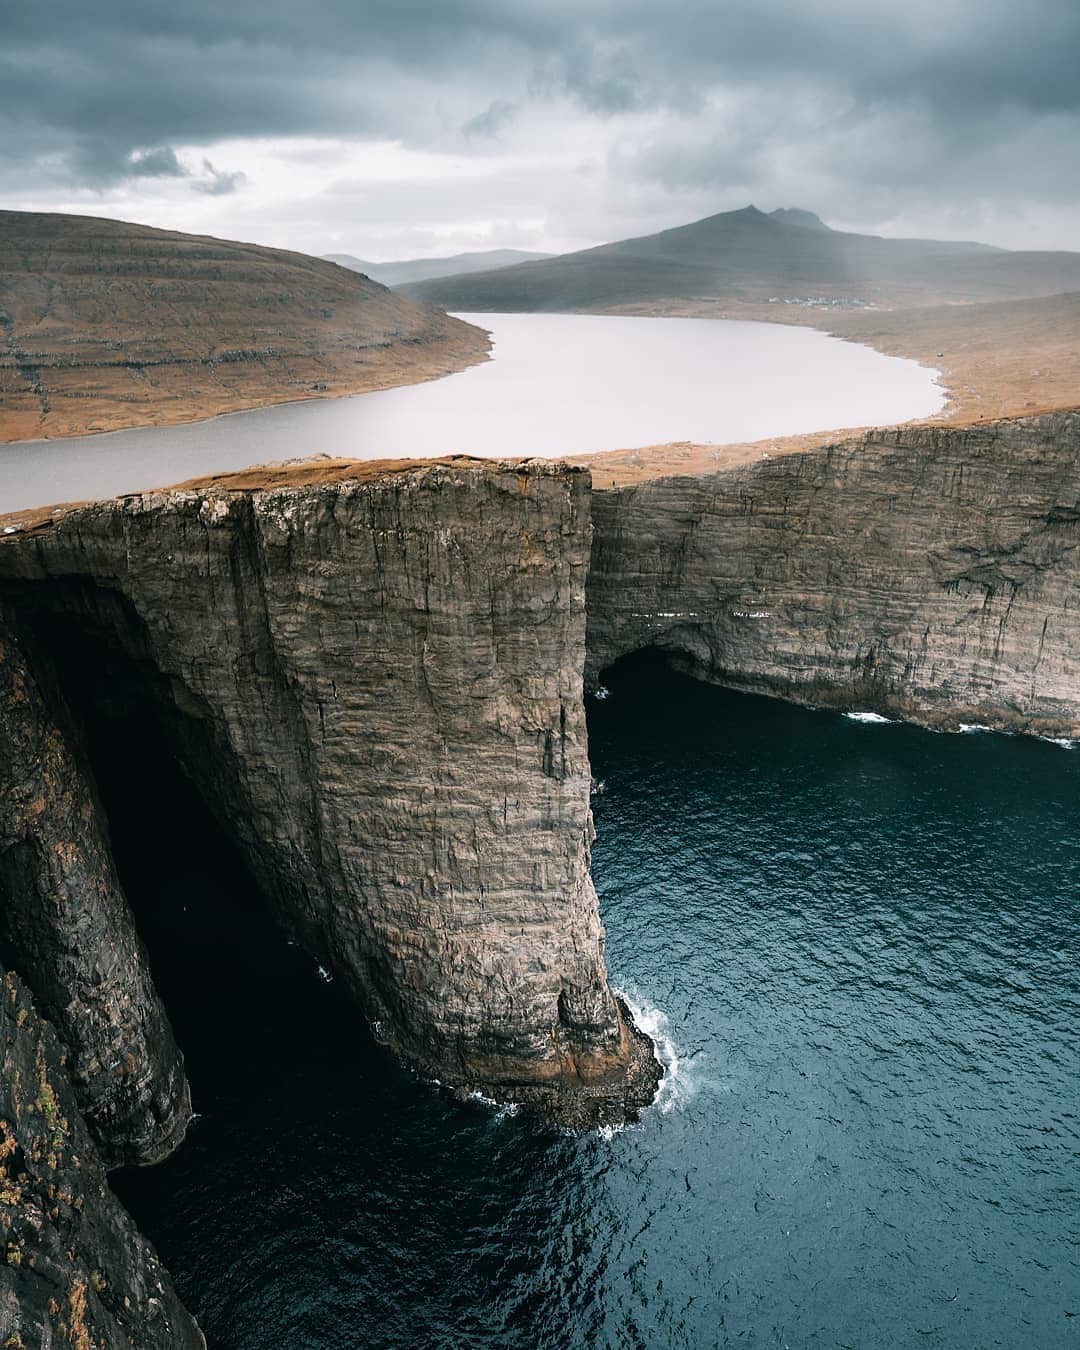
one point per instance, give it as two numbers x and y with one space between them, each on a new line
559 384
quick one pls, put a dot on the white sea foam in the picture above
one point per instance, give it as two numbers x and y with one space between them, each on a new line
971 728
602 692
675 1086
1064 741
501 1110
868 717
324 974
607 1131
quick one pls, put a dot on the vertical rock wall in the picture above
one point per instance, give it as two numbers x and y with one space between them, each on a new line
65 922
74 1271
927 573
376 685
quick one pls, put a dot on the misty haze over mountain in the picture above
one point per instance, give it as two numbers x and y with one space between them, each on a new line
788 256
401 131
420 269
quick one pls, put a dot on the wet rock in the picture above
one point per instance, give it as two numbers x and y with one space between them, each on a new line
74 1270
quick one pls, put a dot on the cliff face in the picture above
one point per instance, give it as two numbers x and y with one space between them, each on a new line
75 1270
376 687
65 922
925 573
372 677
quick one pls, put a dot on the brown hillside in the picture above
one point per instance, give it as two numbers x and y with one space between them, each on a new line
105 324
749 257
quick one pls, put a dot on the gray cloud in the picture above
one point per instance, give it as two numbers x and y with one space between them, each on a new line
873 112
216 183
493 121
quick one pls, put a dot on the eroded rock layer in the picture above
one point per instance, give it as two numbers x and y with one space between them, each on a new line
926 573
376 686
74 1269
65 921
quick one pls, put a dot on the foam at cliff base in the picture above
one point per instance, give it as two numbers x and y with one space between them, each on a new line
870 717
674 1087
500 1110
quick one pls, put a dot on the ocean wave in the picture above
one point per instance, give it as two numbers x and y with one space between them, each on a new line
675 1086
869 717
500 1110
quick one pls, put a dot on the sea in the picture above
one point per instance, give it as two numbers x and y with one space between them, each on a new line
857 946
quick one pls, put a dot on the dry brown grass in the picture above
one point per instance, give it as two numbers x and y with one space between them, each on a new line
1010 359
260 478
106 325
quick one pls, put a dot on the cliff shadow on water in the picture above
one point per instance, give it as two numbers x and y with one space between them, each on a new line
209 931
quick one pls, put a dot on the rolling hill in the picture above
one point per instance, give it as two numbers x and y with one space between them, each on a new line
789 258
105 324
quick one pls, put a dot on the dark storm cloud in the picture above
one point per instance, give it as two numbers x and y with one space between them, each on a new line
97 91
101 161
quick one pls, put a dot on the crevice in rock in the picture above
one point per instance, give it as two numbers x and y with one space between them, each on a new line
137 731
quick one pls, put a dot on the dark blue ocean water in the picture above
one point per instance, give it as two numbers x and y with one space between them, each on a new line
859 946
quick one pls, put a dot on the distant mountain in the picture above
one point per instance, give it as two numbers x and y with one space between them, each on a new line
751 257
794 215
423 269
353 264
105 324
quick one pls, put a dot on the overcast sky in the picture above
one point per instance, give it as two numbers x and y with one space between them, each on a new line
399 128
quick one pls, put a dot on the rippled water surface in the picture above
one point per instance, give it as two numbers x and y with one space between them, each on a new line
864 941
557 384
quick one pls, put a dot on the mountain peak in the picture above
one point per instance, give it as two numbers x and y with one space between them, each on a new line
795 215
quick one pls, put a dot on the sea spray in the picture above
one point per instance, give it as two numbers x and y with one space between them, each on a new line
675 1086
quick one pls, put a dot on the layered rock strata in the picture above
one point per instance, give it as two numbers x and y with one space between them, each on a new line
376 687
64 921
74 1269
925 573
373 679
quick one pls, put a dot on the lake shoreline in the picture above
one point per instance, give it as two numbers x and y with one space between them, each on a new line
620 381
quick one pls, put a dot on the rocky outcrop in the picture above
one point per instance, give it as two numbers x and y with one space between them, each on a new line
376 686
74 1269
925 573
65 922
372 676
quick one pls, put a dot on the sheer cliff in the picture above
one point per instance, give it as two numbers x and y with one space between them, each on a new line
372 676
376 687
925 573
64 920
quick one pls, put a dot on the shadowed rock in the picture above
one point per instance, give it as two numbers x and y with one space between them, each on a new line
376 687
75 1269
65 922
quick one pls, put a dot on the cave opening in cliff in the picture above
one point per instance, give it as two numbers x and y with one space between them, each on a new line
216 955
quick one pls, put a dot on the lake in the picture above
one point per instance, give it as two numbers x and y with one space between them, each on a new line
558 384
857 944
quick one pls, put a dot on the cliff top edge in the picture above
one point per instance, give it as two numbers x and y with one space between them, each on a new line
290 474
